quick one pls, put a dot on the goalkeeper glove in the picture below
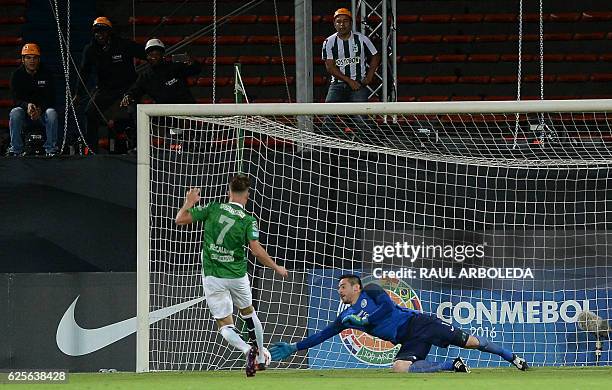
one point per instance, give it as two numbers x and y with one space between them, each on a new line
354 320
281 350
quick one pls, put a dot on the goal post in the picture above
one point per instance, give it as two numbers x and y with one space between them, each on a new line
492 215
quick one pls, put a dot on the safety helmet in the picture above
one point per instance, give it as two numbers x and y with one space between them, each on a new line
102 22
30 49
153 44
342 11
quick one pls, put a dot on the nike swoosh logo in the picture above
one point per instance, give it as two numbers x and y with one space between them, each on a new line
76 341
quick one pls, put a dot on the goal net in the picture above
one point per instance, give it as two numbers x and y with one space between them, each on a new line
492 215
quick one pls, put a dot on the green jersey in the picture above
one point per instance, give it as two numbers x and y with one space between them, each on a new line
227 229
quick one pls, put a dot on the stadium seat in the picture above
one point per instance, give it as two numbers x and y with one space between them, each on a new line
10 61
426 38
417 59
167 40
432 98
467 18
271 19
254 60
565 17
263 39
319 80
499 97
491 38
144 20
407 18
204 100
12 19
535 17
514 57
550 58
458 38
6 103
606 57
500 18
596 16
443 18
601 77
276 80
589 36
406 99
410 79
466 98
222 40
13 2
226 100
251 80
572 78
221 81
243 19
191 81
483 58
580 57
11 41
403 38
535 78
223 60
202 19
4 83
503 79
451 57
177 20
289 60
474 79
440 79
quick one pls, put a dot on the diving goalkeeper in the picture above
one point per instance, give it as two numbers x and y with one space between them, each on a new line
372 311
228 228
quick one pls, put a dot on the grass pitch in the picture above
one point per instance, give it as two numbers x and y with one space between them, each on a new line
587 378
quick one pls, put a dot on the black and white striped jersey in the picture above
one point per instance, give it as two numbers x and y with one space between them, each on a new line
349 55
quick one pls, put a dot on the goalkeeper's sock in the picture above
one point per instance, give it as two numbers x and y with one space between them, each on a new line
421 366
491 347
253 322
229 334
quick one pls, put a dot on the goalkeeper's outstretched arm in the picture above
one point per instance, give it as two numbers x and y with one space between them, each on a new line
280 351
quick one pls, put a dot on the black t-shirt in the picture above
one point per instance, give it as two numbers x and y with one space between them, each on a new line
38 88
115 66
166 83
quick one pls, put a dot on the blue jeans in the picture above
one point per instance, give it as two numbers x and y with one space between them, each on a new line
18 118
341 92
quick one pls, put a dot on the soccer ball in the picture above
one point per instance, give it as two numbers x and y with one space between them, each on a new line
267 356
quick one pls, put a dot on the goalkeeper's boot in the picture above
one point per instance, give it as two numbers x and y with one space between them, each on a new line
460 366
519 362
251 366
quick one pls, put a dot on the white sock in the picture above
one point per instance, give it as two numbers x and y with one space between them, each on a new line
258 335
229 334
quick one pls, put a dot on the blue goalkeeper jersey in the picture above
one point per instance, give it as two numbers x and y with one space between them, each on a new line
386 320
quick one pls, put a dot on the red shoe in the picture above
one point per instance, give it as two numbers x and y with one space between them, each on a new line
251 366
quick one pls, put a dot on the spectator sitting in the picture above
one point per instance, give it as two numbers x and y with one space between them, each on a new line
113 58
34 95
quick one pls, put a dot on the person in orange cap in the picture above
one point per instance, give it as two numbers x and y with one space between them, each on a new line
34 96
346 55
112 57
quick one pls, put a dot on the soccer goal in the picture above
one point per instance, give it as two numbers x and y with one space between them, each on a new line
493 215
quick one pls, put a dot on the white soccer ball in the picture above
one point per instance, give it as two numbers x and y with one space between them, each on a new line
267 356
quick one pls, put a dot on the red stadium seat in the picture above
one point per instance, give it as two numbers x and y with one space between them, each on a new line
410 79
444 18
403 38
319 80
572 78
589 36
406 99
407 18
251 80
491 38
10 61
467 18
451 57
11 41
276 80
500 18
204 19
191 81
503 79
317 40
433 98
514 57
606 57
263 39
204 100
177 20
565 17
417 59
6 103
13 2
458 38
222 60
254 60
12 19
596 16
526 37
222 40
289 60
4 83
536 17
243 19
271 19
440 79
144 20
474 79
483 58
4 123
550 58
221 81
466 98
535 78
426 38
601 77
580 57
227 100
499 97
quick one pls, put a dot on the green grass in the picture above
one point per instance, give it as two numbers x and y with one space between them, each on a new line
588 378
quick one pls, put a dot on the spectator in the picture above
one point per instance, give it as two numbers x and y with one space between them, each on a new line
34 96
345 55
113 59
163 81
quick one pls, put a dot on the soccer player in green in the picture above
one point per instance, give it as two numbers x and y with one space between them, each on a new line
228 228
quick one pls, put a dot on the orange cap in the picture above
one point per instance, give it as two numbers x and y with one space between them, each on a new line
343 11
30 49
102 21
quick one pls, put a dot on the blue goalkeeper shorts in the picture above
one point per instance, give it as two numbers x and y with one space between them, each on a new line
425 330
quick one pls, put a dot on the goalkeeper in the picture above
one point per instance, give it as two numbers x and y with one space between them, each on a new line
373 312
227 229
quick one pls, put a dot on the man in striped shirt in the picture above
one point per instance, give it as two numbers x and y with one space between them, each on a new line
345 54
